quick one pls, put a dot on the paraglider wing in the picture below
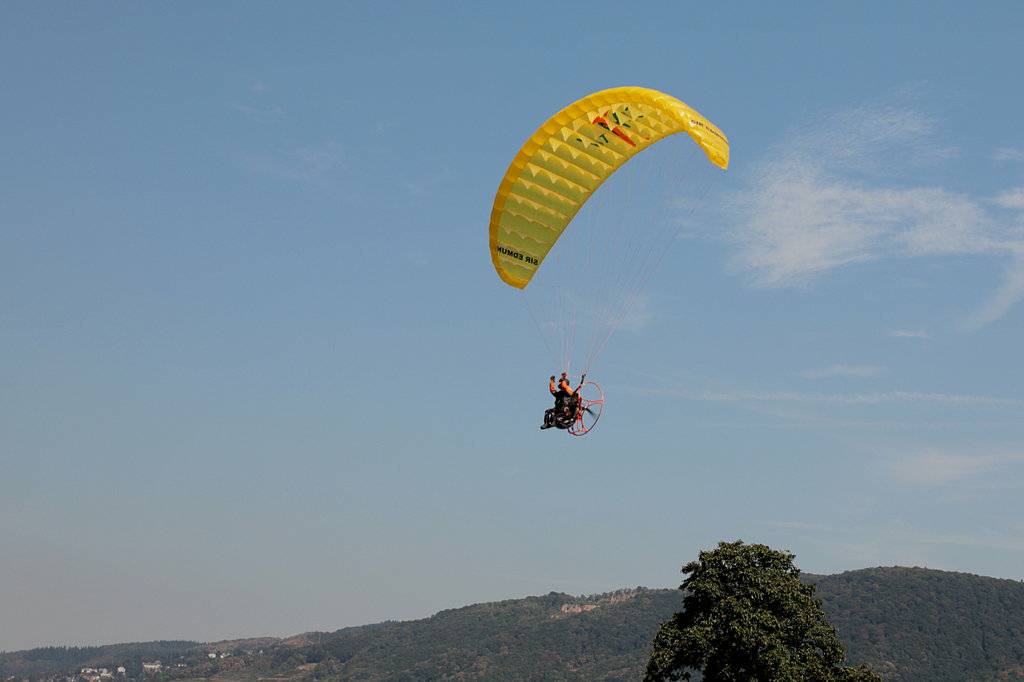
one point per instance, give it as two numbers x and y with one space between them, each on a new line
568 158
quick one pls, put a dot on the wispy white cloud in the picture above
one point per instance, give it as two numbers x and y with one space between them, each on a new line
798 526
905 545
1009 292
864 137
986 539
636 313
876 398
258 86
1011 199
942 468
417 258
428 184
259 114
1008 154
303 164
822 200
909 334
846 371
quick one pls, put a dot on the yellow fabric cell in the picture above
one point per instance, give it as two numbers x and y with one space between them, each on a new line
568 158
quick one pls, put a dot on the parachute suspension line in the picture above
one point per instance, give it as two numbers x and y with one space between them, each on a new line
540 330
572 336
666 238
618 299
570 315
597 252
563 325
584 262
587 263
559 317
597 291
546 305
627 250
565 322
622 246
629 294
642 283
649 264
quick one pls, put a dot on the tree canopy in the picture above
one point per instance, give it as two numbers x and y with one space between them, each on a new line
747 616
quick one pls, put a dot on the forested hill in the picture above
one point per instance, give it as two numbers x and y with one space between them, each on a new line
919 624
906 623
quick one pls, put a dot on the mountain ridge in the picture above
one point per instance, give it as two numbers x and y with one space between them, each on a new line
907 623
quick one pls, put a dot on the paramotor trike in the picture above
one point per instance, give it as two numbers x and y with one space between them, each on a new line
584 409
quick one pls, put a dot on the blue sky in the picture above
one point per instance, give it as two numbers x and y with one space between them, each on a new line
259 376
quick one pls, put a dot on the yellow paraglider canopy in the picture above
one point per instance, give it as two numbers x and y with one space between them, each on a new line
568 158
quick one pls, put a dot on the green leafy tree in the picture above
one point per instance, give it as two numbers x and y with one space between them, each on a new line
746 616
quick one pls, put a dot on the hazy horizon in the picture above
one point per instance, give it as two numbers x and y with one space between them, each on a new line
243 636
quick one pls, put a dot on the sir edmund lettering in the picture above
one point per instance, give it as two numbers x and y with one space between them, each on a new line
505 251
